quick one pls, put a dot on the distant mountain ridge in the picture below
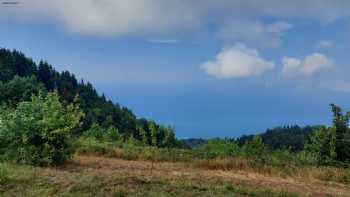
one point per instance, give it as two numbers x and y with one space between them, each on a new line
289 137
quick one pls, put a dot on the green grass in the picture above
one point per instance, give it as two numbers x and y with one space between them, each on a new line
42 182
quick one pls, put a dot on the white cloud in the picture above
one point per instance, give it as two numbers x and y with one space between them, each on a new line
326 44
110 17
140 17
257 33
308 66
237 61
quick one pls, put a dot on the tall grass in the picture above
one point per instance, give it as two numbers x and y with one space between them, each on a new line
4 173
283 163
41 182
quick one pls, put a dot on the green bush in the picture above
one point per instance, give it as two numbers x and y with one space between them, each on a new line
306 158
90 145
218 149
95 132
101 134
39 131
256 150
323 145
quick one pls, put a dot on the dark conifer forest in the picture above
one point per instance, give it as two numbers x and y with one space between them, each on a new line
20 77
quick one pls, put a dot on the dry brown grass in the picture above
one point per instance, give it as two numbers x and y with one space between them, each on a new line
235 172
304 173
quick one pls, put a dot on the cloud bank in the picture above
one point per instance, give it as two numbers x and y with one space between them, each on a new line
143 17
237 61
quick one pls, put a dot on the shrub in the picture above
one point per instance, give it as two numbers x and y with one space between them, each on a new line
39 131
90 145
112 134
306 158
95 132
218 148
101 134
323 145
255 149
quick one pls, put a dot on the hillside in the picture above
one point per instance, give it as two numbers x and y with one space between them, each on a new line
20 77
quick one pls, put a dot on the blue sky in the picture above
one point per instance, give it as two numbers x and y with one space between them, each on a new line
210 68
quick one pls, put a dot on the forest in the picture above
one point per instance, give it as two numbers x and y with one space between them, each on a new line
21 77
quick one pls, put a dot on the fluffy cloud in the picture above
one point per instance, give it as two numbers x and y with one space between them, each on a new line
308 66
237 61
138 17
257 33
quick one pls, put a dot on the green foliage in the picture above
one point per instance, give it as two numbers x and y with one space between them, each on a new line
193 142
4 174
101 134
89 145
332 145
255 147
342 134
96 132
323 145
43 77
39 131
19 89
218 149
154 133
256 150
112 134
15 63
306 157
288 137
167 137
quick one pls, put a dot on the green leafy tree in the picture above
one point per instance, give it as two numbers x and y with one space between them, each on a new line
323 145
169 137
332 144
112 134
19 89
255 148
95 131
39 131
143 134
154 133
342 132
